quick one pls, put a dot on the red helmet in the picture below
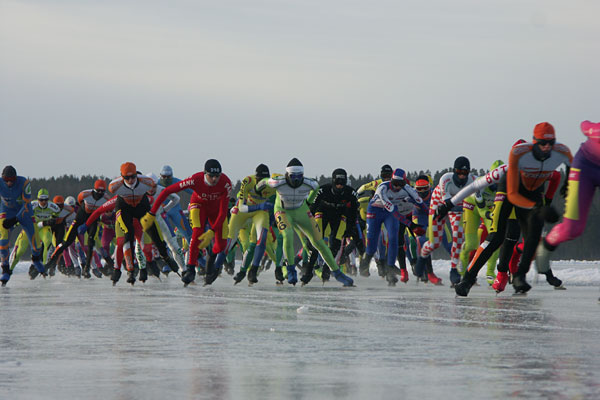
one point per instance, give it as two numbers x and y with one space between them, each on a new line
58 200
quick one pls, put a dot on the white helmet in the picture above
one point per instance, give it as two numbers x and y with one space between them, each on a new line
70 201
166 171
153 176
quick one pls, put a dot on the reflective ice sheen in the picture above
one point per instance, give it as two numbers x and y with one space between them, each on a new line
67 338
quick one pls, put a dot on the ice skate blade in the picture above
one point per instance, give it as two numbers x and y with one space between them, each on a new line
519 294
561 287
278 283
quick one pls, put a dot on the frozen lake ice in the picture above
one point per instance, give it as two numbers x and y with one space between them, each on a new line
68 338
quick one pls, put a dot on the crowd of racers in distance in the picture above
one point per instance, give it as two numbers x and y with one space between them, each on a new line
137 221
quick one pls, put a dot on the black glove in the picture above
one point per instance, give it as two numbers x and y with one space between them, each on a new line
565 187
443 209
50 222
9 222
417 229
549 214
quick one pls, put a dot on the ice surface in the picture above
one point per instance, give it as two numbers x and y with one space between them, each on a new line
66 338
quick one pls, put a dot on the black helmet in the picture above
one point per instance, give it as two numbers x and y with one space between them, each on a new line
294 173
212 166
262 171
339 177
462 162
386 172
461 166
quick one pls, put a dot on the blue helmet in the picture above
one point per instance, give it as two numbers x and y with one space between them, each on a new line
398 178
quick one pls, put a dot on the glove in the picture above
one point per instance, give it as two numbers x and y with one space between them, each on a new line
50 222
417 229
40 224
549 214
205 238
9 222
82 229
147 220
564 189
443 209
266 206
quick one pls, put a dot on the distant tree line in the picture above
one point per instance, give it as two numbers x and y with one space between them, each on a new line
583 248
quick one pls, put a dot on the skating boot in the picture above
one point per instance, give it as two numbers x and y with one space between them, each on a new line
380 268
279 276
239 277
390 275
212 271
307 275
325 273
520 284
152 268
229 267
500 282
454 277
341 277
363 268
86 272
189 275
115 276
96 272
403 275
252 272
463 287
51 264
70 270
267 265
171 264
33 272
131 277
554 281
433 278
292 275
201 270
6 273
143 275
77 272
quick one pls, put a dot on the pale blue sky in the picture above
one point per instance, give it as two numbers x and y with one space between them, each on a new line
87 85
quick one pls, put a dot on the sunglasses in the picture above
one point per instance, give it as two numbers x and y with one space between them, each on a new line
544 142
213 175
9 179
129 177
42 199
422 189
398 183
462 171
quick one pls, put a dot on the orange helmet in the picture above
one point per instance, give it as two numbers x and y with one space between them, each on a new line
543 131
58 200
128 169
100 184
